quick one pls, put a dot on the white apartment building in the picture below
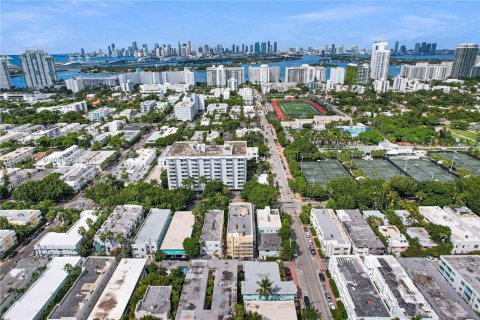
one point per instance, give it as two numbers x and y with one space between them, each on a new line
337 75
185 110
217 108
78 175
426 72
395 287
464 224
115 125
143 160
247 95
268 220
333 239
7 239
397 242
263 74
400 84
219 75
49 133
305 74
358 293
379 61
5 80
150 235
80 107
22 154
119 224
381 85
66 243
99 114
227 163
22 217
38 68
212 233
146 106
462 273
42 292
63 158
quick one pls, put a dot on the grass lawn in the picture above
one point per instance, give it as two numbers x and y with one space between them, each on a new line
464 134
297 109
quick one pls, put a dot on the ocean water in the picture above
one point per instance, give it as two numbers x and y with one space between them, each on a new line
201 76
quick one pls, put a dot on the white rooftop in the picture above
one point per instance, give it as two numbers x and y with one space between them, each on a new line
268 218
32 303
153 225
117 293
180 228
273 310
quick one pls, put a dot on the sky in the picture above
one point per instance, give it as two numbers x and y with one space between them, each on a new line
58 26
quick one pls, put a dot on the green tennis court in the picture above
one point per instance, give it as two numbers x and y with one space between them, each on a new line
461 161
423 170
323 171
378 168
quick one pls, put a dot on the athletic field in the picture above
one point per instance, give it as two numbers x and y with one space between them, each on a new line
297 108
323 171
422 170
378 168
461 161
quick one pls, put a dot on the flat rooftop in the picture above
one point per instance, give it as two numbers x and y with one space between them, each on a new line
155 300
19 216
446 302
240 218
268 218
256 270
269 241
213 226
468 267
362 292
122 219
192 300
330 226
273 310
94 271
358 230
460 230
153 225
407 296
117 293
32 303
422 235
192 149
181 227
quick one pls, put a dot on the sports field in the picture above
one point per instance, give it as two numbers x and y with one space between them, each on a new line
461 161
423 170
378 168
323 171
297 108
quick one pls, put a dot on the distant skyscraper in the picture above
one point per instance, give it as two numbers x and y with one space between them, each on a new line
257 47
433 49
333 51
134 46
417 48
403 49
263 48
354 49
82 52
396 47
39 69
275 46
380 61
464 60
5 82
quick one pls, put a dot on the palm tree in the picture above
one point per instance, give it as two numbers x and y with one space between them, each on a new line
265 288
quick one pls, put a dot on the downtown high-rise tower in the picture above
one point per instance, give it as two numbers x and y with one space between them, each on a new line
39 69
380 61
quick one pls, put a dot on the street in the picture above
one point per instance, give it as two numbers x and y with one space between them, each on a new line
306 264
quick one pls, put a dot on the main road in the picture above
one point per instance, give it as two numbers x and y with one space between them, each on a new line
307 265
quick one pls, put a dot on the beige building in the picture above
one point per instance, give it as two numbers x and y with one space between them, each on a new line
22 217
7 240
241 231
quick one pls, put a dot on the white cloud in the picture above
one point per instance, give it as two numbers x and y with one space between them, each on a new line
339 13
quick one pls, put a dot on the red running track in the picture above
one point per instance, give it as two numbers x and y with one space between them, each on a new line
282 117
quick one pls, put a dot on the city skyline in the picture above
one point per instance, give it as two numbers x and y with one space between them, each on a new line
48 25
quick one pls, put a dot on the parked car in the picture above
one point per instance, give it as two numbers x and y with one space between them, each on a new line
430 258
288 272
306 301
13 255
321 276
328 296
26 241
312 251
305 229
331 306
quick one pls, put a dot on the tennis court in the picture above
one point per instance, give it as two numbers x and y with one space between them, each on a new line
323 171
462 161
378 168
423 170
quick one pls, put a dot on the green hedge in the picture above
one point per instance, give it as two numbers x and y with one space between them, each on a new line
333 285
